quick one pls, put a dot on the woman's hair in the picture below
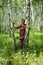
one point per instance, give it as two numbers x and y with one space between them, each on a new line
23 20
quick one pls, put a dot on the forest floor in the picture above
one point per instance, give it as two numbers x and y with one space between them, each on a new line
34 56
24 59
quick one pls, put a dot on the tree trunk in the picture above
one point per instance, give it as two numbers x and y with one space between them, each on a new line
41 26
11 31
27 22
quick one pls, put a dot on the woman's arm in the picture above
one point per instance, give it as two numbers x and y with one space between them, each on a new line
28 26
17 27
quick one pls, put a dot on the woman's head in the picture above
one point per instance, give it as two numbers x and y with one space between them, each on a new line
22 21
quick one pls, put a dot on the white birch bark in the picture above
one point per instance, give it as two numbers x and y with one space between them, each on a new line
11 31
27 21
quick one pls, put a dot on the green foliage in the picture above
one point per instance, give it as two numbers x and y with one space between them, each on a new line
6 45
35 1
27 59
34 56
4 3
19 58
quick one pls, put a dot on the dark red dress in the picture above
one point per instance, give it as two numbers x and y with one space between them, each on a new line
22 31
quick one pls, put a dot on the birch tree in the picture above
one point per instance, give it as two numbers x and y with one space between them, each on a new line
41 27
11 31
27 21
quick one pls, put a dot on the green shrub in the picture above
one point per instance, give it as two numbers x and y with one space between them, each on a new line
36 42
6 46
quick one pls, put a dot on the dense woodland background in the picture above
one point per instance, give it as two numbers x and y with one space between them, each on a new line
11 11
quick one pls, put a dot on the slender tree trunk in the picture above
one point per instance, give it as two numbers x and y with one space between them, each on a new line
41 27
27 22
41 23
11 31
42 10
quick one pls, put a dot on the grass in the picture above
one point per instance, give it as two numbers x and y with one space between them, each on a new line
34 56
22 59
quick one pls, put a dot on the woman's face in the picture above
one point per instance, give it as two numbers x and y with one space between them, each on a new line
22 22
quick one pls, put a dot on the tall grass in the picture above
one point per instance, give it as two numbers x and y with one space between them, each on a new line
34 55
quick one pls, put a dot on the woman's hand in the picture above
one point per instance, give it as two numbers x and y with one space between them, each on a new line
28 26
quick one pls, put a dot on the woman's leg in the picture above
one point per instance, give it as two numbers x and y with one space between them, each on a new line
21 44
